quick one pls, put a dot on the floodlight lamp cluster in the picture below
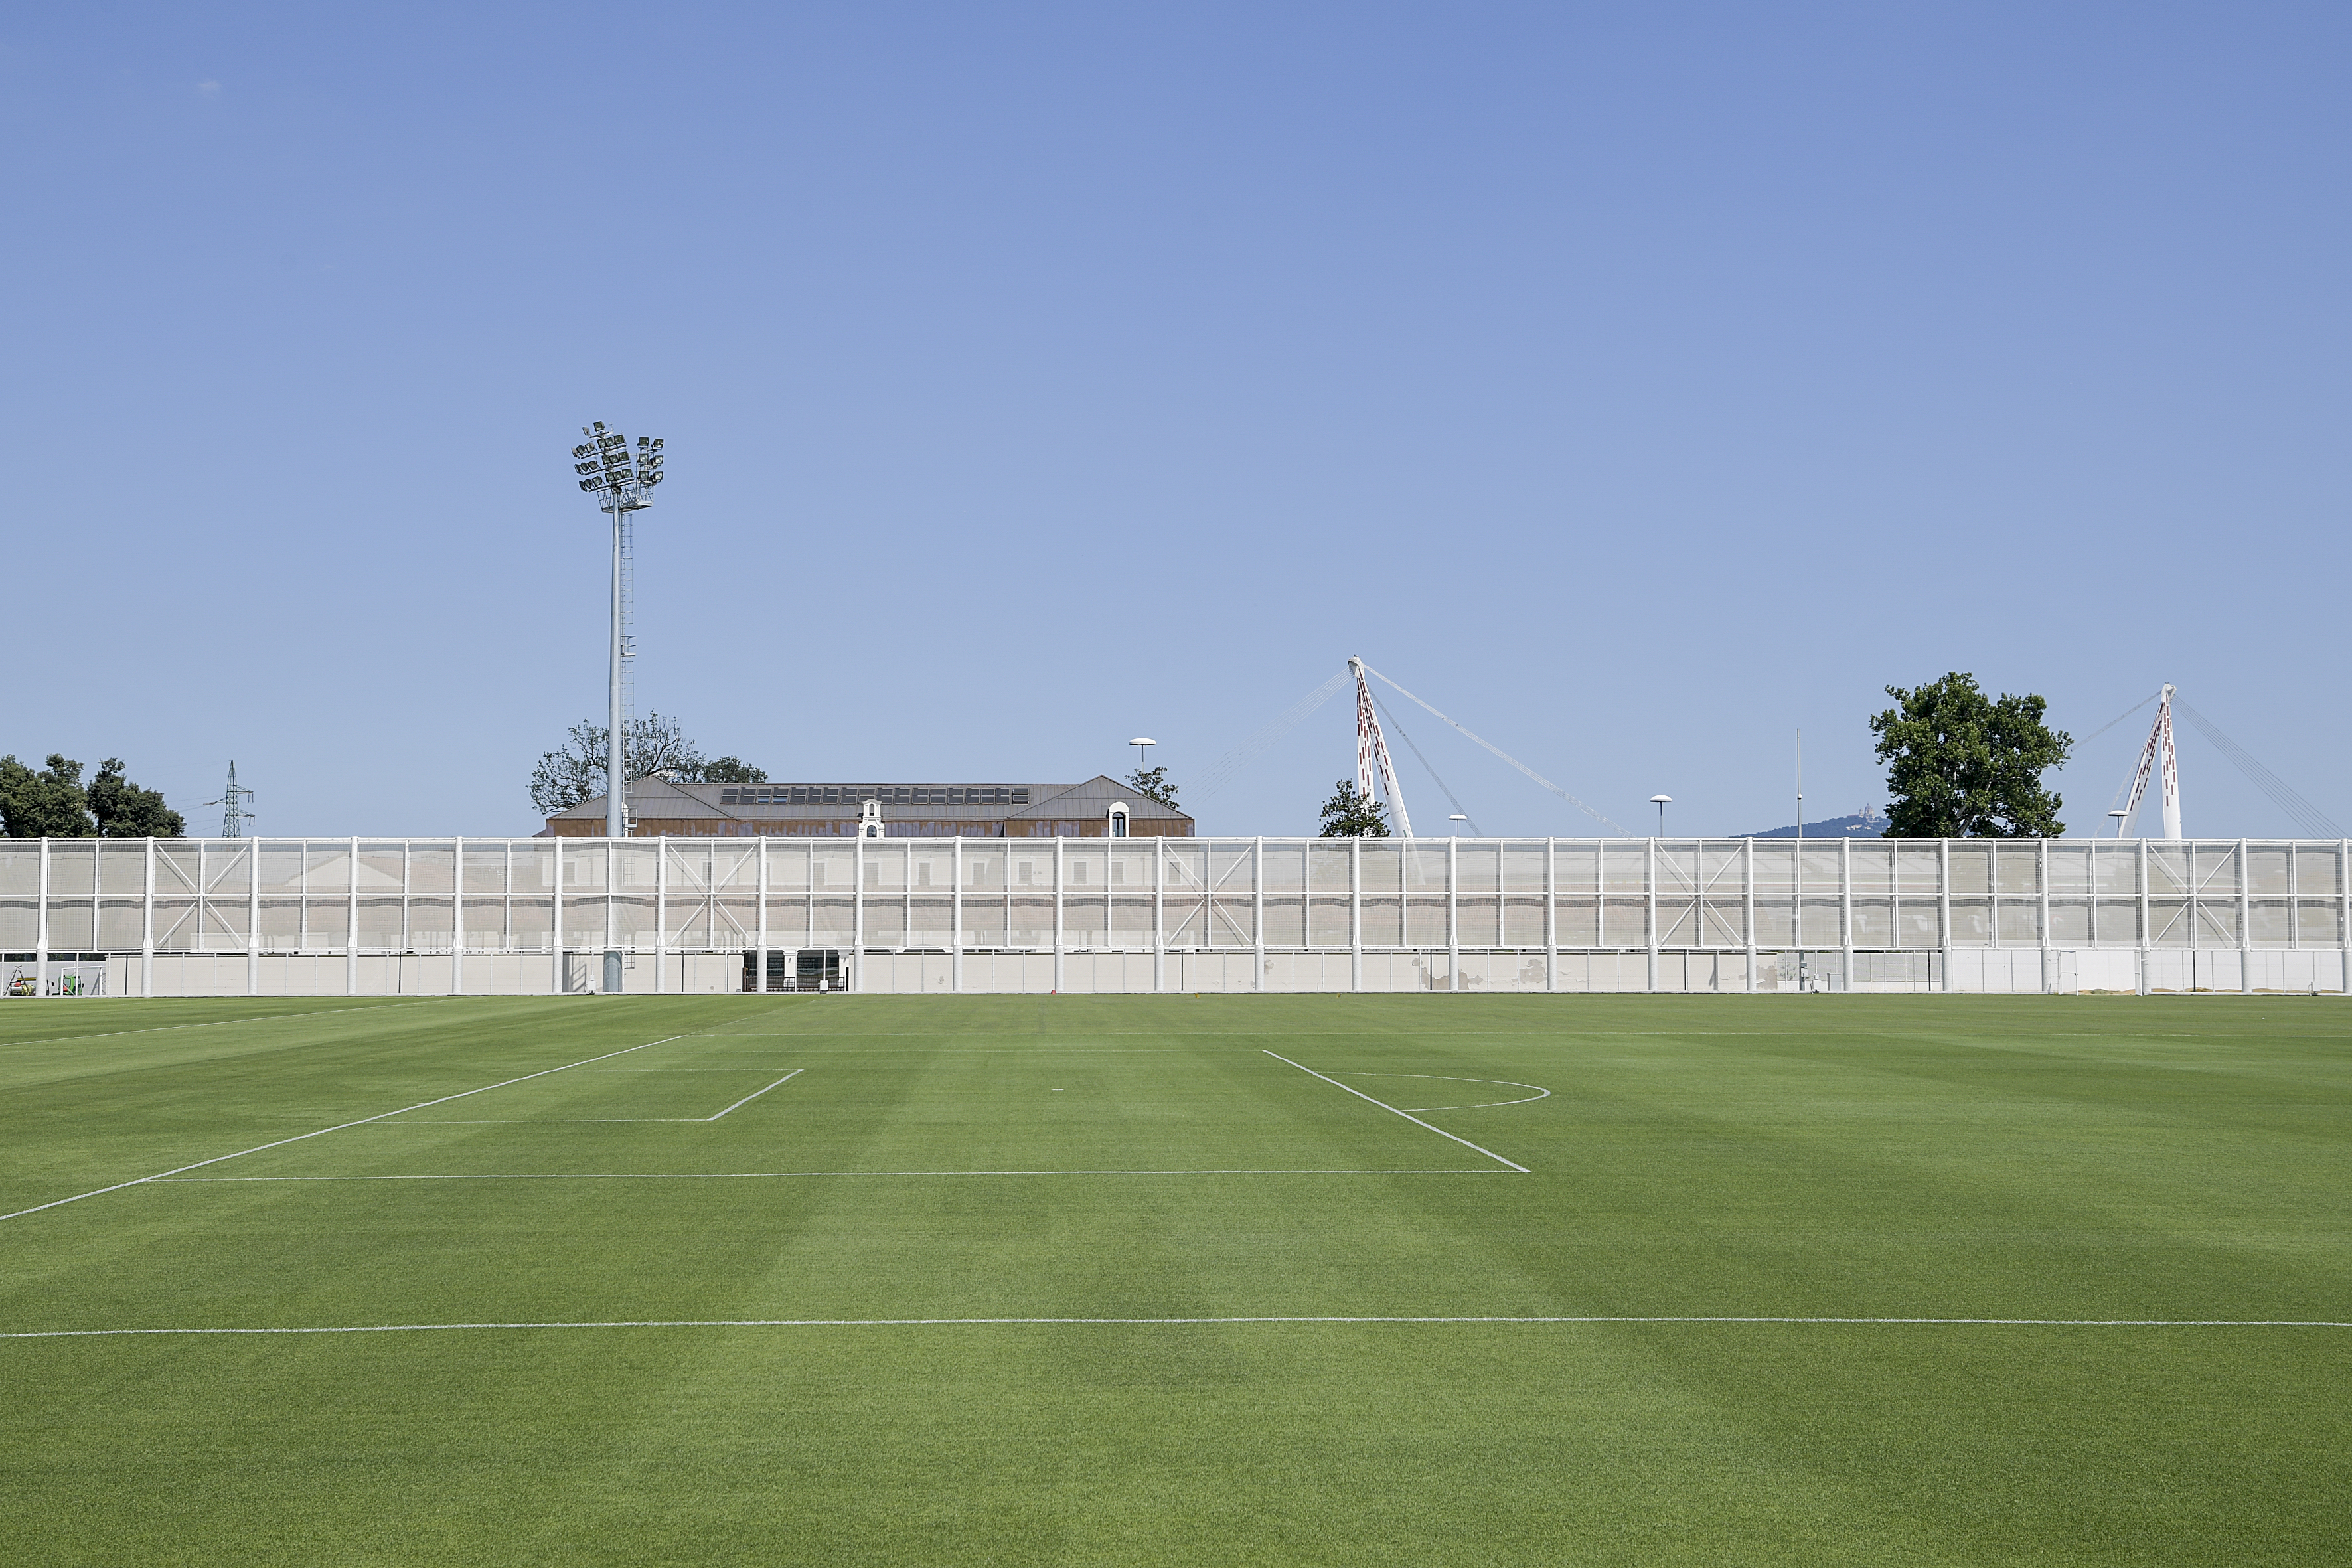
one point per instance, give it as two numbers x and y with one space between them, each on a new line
606 464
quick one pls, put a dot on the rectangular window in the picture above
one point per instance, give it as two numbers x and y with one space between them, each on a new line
1118 870
955 798
1078 874
923 875
832 794
816 876
1020 796
1024 872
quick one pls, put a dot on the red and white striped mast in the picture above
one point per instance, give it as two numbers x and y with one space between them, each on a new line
2157 759
1372 753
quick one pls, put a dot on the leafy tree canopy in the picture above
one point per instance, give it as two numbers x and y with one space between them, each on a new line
1152 783
50 803
1348 814
732 769
574 773
1963 765
126 811
53 803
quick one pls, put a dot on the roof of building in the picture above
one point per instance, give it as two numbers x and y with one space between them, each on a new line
660 797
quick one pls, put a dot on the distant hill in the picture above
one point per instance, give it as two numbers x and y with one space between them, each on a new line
1867 823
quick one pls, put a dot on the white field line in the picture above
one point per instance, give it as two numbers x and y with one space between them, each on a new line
1540 1091
774 1175
216 1023
338 1127
757 1092
541 1121
1392 1110
1204 1322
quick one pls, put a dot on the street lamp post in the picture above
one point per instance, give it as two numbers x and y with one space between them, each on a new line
1662 802
623 482
1457 818
1142 744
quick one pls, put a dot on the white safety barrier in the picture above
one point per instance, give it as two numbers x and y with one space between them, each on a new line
514 916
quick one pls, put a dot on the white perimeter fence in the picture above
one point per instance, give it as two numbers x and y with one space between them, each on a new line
517 916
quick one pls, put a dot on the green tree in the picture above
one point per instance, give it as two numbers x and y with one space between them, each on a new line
1152 783
126 811
732 769
50 803
1963 765
1348 814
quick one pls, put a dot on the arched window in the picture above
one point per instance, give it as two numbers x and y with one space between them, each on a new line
1118 821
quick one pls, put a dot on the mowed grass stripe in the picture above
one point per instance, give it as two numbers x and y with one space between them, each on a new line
2147 1194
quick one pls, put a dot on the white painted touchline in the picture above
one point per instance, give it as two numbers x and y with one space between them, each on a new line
768 1175
757 1092
1392 1110
1201 1322
338 1127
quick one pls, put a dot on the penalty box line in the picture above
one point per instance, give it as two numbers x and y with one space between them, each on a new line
338 1127
1408 1115
1207 1322
778 1175
597 1121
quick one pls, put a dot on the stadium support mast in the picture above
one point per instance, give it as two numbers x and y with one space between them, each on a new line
2158 758
1372 751
623 482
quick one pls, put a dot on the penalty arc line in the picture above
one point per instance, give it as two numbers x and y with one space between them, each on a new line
1202 1322
1408 1115
757 1092
338 1127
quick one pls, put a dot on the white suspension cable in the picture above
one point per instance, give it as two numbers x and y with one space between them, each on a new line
2314 823
2109 725
1514 762
1391 719
1221 771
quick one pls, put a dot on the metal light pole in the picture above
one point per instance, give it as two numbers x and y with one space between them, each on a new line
1140 742
622 482
1662 802
1457 819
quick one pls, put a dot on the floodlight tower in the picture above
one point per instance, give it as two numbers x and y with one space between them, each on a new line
622 483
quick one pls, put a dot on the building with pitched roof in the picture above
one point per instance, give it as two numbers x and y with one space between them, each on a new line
1101 807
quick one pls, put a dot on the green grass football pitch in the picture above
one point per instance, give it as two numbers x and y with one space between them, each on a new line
1158 1279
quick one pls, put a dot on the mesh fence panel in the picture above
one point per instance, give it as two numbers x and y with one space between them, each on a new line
2318 924
122 868
2269 868
73 868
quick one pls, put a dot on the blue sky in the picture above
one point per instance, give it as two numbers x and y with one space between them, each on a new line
1636 384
